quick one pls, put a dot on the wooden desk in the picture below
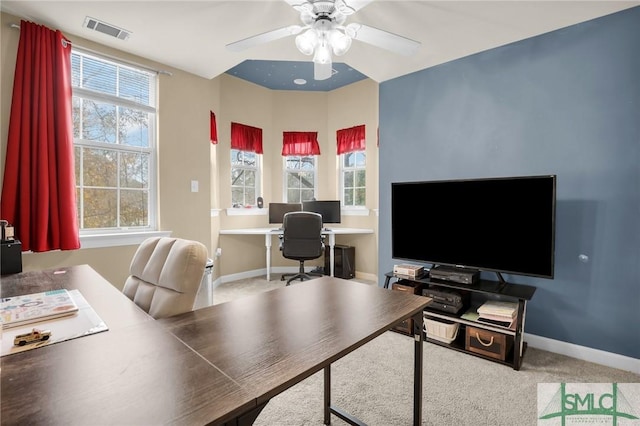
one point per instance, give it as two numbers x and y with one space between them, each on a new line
134 373
276 339
110 304
269 232
215 365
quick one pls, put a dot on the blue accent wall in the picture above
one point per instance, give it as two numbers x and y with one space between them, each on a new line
564 103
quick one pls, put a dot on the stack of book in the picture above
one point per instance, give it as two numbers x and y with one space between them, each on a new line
498 313
30 308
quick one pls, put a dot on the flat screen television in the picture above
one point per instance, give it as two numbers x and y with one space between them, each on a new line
504 224
329 209
278 210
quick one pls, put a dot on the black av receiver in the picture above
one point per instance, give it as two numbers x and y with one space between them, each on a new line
446 300
458 275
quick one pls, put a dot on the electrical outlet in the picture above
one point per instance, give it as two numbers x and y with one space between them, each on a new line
194 186
218 252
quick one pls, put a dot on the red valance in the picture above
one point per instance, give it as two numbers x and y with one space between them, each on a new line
246 138
351 139
300 143
213 128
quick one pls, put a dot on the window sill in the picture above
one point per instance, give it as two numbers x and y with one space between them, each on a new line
247 211
119 239
355 211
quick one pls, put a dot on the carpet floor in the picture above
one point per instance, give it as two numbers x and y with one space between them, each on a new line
375 382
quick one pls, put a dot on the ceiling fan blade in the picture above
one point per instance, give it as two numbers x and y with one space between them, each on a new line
300 5
255 40
347 7
322 71
384 39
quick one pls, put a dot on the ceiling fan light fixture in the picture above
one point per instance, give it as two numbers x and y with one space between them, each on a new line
306 42
323 55
324 34
339 42
351 30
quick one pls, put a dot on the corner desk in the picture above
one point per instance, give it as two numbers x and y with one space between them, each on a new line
218 365
270 232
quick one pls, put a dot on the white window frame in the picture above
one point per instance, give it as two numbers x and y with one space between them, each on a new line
116 236
257 169
343 171
286 171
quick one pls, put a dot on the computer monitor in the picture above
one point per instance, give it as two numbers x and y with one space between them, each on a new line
278 210
329 209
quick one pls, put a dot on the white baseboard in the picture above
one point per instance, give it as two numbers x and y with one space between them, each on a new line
367 277
275 272
280 270
584 353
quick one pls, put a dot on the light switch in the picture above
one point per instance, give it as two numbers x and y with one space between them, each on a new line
194 186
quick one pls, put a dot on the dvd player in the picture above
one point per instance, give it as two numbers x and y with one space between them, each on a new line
445 307
446 300
443 296
455 274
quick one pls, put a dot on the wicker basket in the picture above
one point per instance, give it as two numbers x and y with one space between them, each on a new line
441 330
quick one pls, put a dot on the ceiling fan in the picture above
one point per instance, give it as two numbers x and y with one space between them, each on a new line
323 31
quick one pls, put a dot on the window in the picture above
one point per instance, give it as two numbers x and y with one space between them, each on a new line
300 178
245 178
353 166
246 145
353 161
114 114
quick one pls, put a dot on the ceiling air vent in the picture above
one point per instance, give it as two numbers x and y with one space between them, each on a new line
103 27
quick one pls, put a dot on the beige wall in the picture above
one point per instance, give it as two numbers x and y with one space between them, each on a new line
278 111
185 154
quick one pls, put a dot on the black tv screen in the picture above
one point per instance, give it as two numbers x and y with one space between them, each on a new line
493 224
329 209
278 210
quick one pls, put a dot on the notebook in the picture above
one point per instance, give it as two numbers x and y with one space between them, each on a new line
504 309
29 308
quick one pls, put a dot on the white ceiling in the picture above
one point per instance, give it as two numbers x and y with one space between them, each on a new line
191 35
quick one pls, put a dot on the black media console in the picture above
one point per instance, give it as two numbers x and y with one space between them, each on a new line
500 344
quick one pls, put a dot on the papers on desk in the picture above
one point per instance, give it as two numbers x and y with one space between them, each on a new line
83 322
29 308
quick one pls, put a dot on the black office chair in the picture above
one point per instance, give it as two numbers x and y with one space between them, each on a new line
301 240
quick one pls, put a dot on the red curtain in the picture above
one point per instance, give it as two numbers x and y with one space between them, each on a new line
213 128
351 139
246 138
38 192
300 143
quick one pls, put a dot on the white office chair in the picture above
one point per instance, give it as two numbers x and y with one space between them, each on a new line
166 274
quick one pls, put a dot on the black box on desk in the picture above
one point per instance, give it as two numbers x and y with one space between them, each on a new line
10 257
344 261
